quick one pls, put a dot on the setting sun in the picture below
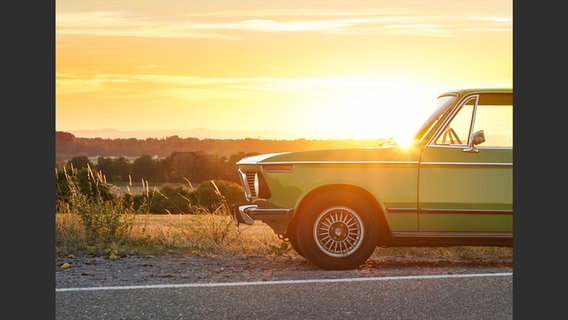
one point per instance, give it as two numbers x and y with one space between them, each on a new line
312 69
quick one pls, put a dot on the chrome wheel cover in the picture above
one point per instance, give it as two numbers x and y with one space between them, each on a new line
338 231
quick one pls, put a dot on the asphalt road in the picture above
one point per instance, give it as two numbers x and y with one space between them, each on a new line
473 296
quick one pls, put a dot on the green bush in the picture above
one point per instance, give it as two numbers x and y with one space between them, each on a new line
169 199
215 193
181 199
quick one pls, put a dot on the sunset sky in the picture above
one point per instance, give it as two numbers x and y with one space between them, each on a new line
301 69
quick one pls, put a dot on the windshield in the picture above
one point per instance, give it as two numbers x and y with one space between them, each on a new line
440 106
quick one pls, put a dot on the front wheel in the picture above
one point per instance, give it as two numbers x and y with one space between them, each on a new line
337 230
293 239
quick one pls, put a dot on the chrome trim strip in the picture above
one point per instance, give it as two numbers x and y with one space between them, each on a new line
392 163
403 210
278 171
467 164
456 211
341 162
267 214
423 234
254 209
465 211
247 213
461 146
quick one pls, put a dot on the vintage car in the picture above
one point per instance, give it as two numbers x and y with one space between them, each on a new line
452 186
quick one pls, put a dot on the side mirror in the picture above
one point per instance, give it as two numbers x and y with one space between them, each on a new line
478 137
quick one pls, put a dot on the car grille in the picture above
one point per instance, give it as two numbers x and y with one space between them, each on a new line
250 178
248 183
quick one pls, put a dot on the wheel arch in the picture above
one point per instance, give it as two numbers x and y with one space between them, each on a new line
378 213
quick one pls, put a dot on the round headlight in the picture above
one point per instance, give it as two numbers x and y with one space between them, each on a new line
256 185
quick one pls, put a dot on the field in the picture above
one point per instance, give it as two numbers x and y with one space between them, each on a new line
217 235
120 188
206 234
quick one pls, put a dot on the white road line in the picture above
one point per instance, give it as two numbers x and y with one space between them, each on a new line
258 283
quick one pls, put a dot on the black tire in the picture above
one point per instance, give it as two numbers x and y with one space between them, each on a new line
293 239
337 230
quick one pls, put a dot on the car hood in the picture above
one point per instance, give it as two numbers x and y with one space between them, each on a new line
371 154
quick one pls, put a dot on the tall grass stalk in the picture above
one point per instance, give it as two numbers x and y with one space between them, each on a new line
104 219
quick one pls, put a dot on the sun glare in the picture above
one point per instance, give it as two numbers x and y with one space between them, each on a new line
372 109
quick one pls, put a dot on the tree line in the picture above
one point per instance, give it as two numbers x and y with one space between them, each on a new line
178 167
67 146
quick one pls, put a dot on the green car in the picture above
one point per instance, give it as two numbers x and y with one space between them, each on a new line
452 186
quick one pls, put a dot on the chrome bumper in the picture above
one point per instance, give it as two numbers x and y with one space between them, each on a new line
247 213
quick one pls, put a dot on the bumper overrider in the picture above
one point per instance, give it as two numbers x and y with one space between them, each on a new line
247 213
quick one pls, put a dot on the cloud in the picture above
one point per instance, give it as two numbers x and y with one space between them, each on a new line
210 86
233 26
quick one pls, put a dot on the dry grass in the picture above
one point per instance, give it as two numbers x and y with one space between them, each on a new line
213 234
204 234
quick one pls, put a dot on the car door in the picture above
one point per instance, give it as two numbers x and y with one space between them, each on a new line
466 169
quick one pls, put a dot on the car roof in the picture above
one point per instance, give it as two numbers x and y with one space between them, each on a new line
464 91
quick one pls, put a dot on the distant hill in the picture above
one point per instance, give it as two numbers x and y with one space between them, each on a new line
199 133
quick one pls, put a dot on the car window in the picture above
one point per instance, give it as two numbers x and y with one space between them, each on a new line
457 132
441 104
496 121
